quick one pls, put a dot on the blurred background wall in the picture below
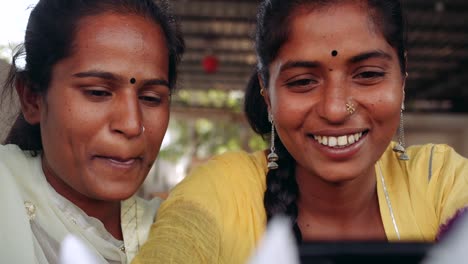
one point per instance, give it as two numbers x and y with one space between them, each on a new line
207 116
8 108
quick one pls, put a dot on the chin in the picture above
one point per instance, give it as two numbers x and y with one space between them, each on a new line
116 193
338 177
337 180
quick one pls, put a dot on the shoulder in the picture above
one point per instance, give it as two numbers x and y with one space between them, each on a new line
439 162
238 160
427 162
8 150
15 228
223 192
228 181
224 172
433 170
14 159
432 184
441 175
437 166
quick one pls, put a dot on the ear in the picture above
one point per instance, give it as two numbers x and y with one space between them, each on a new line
31 103
265 94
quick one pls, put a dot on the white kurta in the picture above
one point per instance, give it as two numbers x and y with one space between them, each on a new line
35 218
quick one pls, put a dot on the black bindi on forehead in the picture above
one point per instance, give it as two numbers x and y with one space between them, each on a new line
132 80
334 53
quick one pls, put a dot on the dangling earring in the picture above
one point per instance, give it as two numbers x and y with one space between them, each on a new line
272 157
400 147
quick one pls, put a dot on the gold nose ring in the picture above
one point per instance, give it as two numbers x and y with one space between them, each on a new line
350 108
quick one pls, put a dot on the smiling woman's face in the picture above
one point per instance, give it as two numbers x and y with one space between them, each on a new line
333 57
106 110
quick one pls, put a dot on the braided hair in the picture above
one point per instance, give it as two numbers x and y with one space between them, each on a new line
273 22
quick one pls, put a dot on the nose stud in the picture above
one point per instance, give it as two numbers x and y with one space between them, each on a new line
350 108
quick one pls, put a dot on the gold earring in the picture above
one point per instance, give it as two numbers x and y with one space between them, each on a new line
272 157
262 92
400 146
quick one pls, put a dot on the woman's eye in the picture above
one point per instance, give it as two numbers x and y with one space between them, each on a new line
370 75
300 82
302 85
150 99
98 93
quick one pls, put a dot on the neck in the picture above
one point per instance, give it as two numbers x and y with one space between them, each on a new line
332 198
108 212
337 210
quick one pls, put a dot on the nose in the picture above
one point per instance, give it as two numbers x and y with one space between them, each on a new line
332 106
127 116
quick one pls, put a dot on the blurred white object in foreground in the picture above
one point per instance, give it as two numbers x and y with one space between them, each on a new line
74 251
278 245
454 246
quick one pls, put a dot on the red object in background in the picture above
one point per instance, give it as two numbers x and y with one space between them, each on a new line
210 64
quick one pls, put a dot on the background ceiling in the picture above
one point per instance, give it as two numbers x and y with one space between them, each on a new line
437 51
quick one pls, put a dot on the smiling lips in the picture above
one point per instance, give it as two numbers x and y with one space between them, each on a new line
123 162
339 141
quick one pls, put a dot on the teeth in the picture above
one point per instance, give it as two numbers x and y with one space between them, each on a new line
357 136
343 141
125 162
340 141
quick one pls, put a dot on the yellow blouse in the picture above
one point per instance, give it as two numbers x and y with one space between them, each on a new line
216 214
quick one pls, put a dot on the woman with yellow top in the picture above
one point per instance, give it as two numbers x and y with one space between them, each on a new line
329 90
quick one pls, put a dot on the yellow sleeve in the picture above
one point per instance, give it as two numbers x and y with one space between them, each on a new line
187 229
183 233
215 215
449 182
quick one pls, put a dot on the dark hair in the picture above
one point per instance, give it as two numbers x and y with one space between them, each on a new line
273 26
49 38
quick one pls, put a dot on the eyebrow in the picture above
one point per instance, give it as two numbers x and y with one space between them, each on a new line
113 77
98 74
370 55
155 82
299 64
355 59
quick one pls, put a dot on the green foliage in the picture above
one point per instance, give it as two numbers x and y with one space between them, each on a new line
256 142
217 99
202 138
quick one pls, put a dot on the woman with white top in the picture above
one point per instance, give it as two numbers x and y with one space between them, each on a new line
95 95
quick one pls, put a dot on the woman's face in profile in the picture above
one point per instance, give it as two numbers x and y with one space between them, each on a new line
335 56
107 108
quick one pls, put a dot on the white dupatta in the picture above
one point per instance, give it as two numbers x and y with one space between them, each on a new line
33 233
